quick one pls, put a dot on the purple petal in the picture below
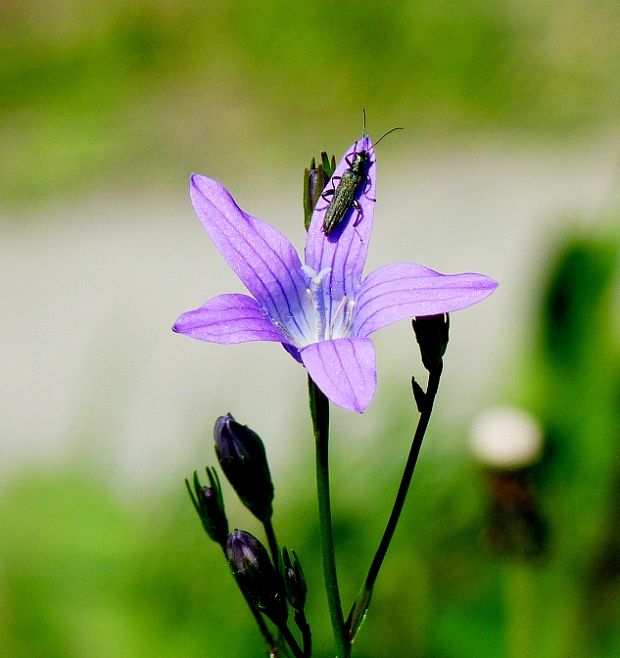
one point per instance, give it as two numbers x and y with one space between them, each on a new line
261 256
228 319
344 370
344 251
404 290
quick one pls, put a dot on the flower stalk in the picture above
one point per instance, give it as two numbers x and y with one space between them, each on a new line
360 607
432 336
319 410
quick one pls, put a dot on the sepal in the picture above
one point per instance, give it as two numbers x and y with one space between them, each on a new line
209 505
419 395
293 578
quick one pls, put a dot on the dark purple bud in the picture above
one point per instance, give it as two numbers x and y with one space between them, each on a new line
432 333
256 576
209 505
294 580
241 454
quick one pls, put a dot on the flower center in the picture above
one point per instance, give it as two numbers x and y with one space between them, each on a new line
332 318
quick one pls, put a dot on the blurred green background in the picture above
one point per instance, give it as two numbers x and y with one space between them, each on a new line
508 165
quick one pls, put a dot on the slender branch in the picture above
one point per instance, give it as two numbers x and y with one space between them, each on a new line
306 634
358 611
291 641
319 410
275 556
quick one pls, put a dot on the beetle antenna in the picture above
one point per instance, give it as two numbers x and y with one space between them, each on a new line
386 134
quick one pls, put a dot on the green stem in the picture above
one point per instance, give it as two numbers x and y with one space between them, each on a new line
319 410
358 611
273 544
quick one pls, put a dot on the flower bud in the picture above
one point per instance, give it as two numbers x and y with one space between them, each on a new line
294 581
209 505
315 180
241 454
256 576
432 334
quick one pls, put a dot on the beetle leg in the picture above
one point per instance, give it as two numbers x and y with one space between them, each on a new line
326 193
360 212
366 188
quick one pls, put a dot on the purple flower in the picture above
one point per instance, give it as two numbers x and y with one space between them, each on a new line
322 312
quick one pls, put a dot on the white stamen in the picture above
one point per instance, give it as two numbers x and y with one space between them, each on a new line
343 303
315 294
315 277
285 331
